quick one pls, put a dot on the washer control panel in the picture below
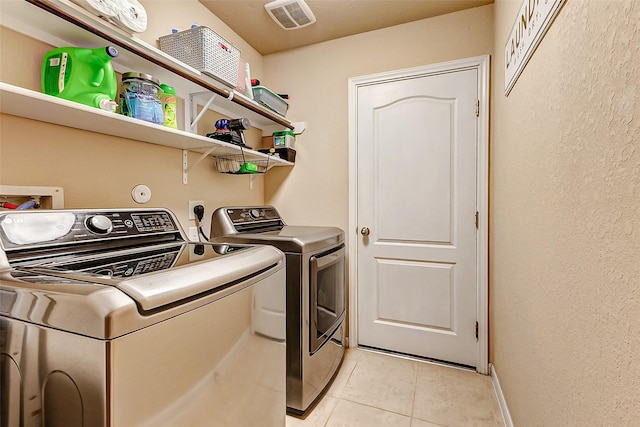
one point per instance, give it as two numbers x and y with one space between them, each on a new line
99 224
20 230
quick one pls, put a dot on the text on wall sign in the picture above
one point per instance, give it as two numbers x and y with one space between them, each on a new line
533 21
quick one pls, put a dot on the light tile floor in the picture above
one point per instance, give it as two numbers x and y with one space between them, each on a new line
374 389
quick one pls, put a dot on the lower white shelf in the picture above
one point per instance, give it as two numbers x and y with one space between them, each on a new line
21 102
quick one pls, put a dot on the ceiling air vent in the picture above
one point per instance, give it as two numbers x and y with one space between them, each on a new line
290 14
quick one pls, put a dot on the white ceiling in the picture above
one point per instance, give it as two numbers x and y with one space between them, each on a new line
335 19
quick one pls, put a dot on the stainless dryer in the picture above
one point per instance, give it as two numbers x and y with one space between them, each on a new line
316 294
105 321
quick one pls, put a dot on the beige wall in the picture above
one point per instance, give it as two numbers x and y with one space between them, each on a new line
316 77
100 171
565 179
565 222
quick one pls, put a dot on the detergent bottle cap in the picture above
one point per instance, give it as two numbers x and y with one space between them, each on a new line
135 75
108 105
167 89
112 51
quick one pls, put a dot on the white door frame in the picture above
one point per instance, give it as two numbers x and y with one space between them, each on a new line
481 63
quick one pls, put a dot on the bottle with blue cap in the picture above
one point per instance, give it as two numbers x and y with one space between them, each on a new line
82 75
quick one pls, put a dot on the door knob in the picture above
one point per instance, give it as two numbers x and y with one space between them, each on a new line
365 231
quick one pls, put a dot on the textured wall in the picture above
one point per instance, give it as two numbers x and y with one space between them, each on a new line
565 224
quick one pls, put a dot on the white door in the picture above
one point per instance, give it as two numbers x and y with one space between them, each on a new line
416 145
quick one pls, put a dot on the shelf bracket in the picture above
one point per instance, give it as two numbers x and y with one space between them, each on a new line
185 163
193 124
185 166
298 128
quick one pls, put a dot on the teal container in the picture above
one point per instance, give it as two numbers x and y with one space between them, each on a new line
82 75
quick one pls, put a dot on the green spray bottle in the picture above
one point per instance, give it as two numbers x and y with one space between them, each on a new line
81 75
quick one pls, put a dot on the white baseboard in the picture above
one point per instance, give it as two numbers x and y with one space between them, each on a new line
501 401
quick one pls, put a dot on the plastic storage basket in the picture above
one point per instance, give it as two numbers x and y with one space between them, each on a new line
270 100
206 51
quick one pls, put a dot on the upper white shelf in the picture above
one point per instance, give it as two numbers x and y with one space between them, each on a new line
26 103
61 23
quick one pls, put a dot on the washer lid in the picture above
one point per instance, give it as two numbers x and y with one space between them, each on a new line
166 276
170 287
106 307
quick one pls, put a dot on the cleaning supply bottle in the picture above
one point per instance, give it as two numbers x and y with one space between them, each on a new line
82 75
141 97
169 105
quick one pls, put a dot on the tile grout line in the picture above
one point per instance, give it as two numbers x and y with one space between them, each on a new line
410 416
413 398
378 408
339 398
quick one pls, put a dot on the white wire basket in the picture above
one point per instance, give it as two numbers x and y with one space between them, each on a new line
237 164
206 51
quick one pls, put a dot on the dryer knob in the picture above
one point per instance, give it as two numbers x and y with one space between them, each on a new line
255 213
99 224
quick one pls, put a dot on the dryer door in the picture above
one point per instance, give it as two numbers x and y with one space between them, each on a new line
327 295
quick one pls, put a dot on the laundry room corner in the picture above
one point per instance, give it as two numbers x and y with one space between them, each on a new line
98 170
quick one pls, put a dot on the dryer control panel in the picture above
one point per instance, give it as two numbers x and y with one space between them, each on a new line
235 220
252 214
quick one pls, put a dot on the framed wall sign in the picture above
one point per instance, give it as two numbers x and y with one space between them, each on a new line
533 21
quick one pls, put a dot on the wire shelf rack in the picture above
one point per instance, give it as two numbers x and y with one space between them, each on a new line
237 164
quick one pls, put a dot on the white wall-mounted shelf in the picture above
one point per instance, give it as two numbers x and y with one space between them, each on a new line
17 101
62 23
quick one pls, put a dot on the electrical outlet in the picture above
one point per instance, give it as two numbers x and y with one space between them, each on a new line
193 234
192 204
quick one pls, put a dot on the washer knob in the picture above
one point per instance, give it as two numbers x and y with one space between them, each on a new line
255 213
99 224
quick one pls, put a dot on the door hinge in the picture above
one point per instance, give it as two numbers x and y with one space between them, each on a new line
478 108
477 219
476 330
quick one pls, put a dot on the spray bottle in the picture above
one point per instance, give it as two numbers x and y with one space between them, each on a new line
81 75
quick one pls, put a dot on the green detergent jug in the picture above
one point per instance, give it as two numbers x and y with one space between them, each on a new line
81 75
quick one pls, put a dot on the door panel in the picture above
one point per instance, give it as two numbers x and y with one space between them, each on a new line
422 298
416 180
418 147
